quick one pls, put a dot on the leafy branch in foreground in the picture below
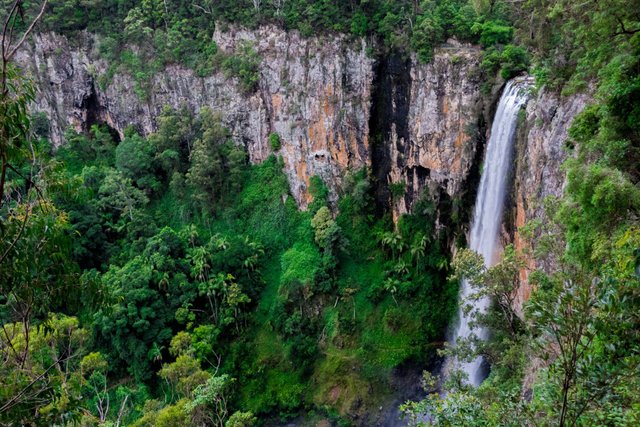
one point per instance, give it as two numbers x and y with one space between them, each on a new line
38 351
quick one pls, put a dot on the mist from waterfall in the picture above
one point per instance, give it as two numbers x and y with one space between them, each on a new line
487 215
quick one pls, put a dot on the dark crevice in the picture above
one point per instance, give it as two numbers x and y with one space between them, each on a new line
95 114
93 110
418 175
390 100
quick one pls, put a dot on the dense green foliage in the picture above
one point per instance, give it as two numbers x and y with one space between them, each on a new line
222 294
164 281
169 31
573 42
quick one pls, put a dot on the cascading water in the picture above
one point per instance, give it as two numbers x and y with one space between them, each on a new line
488 213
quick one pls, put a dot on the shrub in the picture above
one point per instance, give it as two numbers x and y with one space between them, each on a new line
397 190
244 65
511 60
320 193
359 24
427 33
274 141
514 60
492 33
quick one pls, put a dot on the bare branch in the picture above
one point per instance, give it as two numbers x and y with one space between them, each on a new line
623 30
17 397
208 12
27 32
6 27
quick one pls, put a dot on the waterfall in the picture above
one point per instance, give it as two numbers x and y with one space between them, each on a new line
487 216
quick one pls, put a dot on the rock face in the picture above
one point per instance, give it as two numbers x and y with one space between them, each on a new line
315 93
540 154
417 126
425 124
320 94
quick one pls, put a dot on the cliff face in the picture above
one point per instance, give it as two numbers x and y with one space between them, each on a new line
539 157
315 93
446 108
425 125
320 94
418 126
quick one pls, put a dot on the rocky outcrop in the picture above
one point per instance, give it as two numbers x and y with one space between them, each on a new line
540 154
323 95
314 92
431 130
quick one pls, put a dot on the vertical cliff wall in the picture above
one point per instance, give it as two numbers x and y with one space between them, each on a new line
539 156
314 92
320 94
425 125
418 126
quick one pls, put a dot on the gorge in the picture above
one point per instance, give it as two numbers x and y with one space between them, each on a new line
427 137
313 213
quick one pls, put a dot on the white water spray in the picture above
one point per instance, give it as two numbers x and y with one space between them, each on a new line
488 213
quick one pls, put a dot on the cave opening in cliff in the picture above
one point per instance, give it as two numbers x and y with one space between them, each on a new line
94 115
